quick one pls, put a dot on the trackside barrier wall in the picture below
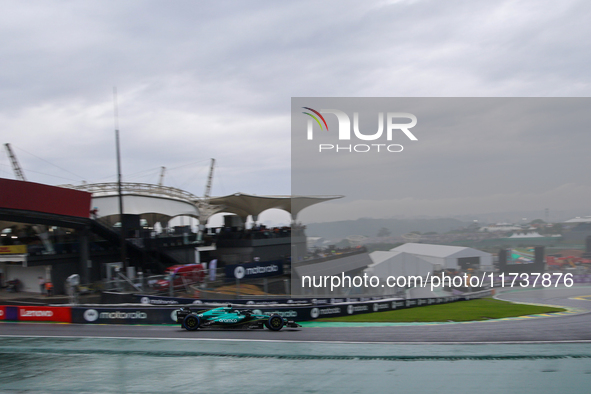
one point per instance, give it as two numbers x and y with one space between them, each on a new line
156 315
124 315
60 314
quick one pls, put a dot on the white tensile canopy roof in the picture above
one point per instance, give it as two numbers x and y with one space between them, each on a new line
152 209
244 205
157 203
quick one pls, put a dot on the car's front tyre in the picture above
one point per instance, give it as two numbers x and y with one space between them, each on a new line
275 323
191 322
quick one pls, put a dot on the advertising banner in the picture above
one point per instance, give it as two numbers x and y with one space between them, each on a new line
60 314
348 308
124 315
258 269
30 196
13 249
2 312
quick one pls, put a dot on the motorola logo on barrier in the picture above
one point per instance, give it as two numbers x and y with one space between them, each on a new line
123 315
239 272
398 124
91 315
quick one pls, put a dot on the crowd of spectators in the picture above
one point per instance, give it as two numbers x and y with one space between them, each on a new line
329 251
259 231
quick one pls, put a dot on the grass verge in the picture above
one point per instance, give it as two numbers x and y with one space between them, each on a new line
481 309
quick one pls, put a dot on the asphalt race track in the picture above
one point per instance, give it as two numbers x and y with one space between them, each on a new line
518 355
566 328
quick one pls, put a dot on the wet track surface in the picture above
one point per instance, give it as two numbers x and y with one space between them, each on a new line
91 365
67 358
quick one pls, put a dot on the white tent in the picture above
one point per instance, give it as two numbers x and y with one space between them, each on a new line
393 263
400 264
449 257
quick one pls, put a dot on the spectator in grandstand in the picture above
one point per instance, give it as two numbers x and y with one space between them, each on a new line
13 285
41 285
213 265
48 288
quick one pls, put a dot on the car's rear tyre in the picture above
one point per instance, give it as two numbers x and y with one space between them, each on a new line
191 322
275 323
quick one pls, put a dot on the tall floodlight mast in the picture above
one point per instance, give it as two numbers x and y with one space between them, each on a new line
205 209
207 193
20 175
18 172
162 171
122 232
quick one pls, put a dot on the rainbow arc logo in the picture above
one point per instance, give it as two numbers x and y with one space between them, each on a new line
315 118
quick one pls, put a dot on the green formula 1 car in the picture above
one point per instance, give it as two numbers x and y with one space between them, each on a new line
227 317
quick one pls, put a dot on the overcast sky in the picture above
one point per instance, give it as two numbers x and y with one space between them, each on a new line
198 80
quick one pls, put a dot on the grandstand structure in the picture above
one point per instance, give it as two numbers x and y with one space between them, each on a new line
148 204
115 225
89 242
